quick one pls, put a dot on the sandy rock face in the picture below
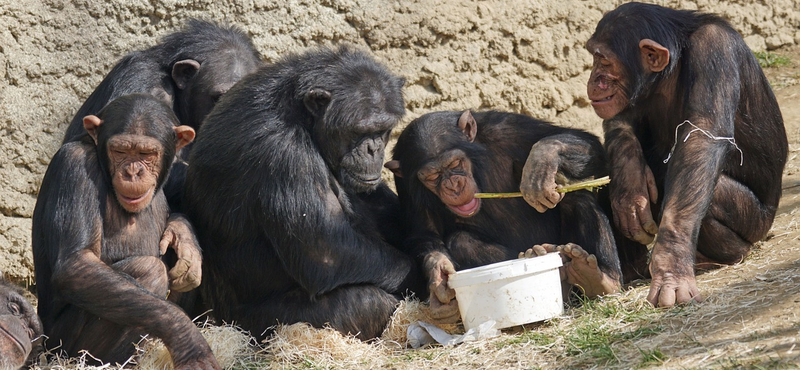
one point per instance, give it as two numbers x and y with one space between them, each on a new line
511 55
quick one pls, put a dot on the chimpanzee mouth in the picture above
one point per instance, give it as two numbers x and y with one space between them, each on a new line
136 200
468 209
603 100
365 179
4 332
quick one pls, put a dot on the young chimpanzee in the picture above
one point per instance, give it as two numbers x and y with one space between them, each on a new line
99 228
20 328
189 70
285 190
442 159
690 116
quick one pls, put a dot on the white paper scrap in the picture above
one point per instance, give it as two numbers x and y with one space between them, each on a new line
422 333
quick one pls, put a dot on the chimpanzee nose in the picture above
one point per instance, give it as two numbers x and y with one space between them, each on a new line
134 170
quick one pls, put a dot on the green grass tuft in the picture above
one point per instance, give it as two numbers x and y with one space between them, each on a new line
767 59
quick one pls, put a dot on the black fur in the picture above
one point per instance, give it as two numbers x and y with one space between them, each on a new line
100 280
712 199
282 189
502 227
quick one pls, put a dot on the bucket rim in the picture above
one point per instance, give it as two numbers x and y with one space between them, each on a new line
504 270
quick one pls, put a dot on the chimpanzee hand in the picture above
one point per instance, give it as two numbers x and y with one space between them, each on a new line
633 188
673 280
444 306
179 236
538 184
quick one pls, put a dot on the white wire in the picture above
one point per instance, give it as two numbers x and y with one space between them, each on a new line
730 140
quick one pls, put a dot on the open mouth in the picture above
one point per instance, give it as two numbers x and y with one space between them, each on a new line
603 100
468 209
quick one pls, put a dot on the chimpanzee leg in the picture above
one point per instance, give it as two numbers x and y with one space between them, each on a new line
735 220
633 258
362 310
468 252
593 264
77 329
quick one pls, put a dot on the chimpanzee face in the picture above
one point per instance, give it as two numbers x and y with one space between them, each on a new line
618 83
135 164
19 328
135 146
362 155
352 128
449 176
607 87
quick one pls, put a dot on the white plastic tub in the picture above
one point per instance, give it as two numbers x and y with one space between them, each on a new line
511 293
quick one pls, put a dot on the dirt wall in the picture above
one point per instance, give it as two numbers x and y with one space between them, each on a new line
522 56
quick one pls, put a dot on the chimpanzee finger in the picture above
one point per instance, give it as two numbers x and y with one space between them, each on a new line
641 236
182 277
653 293
166 240
651 184
441 292
666 297
444 312
539 250
650 227
624 224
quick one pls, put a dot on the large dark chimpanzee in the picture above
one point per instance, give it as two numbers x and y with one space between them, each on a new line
99 228
285 191
20 328
442 159
689 116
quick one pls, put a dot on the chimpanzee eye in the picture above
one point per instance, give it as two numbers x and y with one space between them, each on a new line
14 308
454 164
432 177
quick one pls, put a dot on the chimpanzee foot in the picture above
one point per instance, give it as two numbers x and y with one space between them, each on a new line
541 250
582 271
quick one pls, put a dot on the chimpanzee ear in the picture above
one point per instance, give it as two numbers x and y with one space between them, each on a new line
654 56
185 136
183 71
468 125
394 166
316 100
91 123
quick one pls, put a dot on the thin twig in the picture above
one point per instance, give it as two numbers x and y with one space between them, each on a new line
590 184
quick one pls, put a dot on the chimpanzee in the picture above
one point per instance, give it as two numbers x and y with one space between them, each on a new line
443 158
189 70
100 226
285 191
20 328
688 115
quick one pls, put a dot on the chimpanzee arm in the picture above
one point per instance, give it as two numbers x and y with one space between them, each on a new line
632 186
69 225
310 221
696 162
572 154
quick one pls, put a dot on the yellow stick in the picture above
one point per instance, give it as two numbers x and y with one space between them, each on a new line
590 184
